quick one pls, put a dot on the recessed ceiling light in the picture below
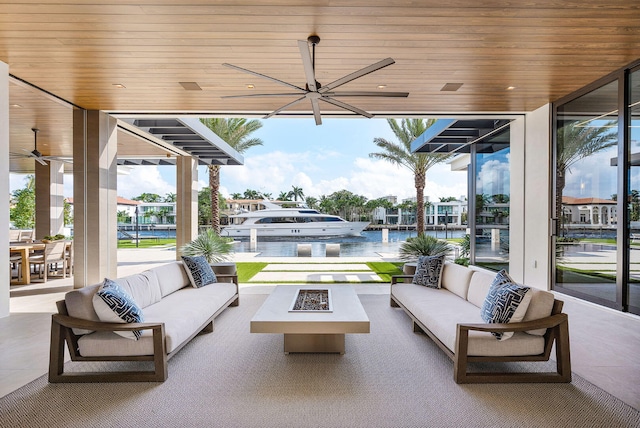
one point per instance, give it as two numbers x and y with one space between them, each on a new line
382 86
190 86
119 85
250 86
16 105
510 88
451 87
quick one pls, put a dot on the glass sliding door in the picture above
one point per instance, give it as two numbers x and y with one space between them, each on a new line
492 195
632 286
586 193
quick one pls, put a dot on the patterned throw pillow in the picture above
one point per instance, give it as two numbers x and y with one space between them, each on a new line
506 302
428 271
113 304
199 271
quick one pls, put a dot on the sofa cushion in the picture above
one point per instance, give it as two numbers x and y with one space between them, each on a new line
441 311
455 278
143 287
79 304
199 271
182 313
506 302
113 304
479 287
429 271
171 277
540 306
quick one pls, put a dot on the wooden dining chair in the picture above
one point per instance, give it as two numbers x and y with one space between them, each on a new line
54 253
15 262
27 235
68 253
14 235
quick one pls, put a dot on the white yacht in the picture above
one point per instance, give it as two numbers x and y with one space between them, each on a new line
276 221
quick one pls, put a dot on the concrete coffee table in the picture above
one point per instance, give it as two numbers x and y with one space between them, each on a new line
319 331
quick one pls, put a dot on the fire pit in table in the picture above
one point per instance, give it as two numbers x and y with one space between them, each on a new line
312 300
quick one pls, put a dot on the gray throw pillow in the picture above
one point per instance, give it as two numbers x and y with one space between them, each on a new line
429 271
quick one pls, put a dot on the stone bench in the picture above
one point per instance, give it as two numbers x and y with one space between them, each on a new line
304 250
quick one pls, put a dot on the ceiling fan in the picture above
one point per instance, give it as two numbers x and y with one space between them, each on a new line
35 153
314 91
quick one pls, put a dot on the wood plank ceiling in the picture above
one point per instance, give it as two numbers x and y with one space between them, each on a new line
82 51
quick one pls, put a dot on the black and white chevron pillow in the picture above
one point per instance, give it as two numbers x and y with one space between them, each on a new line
113 304
199 271
506 302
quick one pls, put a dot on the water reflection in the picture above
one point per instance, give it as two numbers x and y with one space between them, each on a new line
369 244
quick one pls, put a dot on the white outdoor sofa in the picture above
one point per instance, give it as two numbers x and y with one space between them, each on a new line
174 312
450 316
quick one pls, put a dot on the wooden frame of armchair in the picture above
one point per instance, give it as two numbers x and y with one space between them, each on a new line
557 325
61 332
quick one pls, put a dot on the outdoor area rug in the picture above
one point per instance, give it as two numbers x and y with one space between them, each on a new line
391 377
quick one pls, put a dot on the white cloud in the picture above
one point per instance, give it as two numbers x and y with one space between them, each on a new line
268 173
17 181
494 178
277 171
143 179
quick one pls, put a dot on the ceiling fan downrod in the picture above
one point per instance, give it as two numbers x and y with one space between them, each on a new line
35 142
314 40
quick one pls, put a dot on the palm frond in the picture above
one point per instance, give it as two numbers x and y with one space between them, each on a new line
423 245
210 245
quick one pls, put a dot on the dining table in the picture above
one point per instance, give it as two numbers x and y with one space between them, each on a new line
24 249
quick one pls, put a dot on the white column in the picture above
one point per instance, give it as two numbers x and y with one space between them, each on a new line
95 147
49 198
518 176
4 188
186 201
533 246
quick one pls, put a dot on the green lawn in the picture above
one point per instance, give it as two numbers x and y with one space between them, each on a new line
146 243
386 270
247 270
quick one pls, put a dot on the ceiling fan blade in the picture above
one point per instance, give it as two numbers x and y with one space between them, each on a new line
366 94
357 74
235 67
58 159
40 160
309 72
316 111
347 107
290 94
284 107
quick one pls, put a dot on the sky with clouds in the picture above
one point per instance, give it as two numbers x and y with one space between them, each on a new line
319 159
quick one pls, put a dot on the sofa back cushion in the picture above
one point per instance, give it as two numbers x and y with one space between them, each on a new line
80 305
143 287
540 306
171 277
455 278
479 287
